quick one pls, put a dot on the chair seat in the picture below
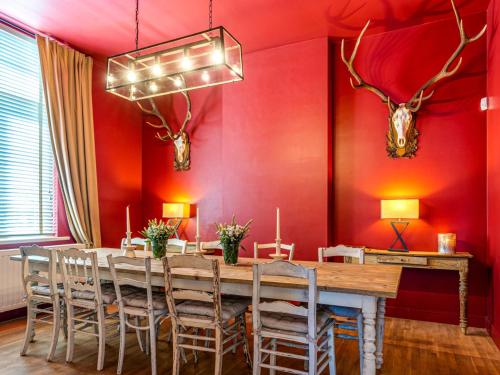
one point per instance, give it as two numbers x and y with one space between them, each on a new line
108 294
44 290
231 308
292 323
346 312
140 299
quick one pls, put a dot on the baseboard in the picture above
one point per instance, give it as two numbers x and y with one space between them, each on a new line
12 314
433 316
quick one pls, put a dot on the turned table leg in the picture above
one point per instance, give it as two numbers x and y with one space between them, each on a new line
380 332
463 291
369 311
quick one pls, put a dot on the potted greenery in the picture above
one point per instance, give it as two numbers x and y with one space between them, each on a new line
158 232
230 237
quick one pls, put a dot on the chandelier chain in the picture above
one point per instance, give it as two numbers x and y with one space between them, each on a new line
209 14
136 24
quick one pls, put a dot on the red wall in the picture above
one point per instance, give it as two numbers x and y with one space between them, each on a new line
493 161
256 145
118 144
447 175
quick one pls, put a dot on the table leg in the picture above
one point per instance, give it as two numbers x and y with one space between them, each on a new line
380 332
463 291
369 311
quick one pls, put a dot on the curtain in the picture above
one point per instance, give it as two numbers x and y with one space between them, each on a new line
67 82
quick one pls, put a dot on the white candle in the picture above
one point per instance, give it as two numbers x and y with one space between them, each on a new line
278 234
197 222
129 233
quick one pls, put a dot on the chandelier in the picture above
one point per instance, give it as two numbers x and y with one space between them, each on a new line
207 58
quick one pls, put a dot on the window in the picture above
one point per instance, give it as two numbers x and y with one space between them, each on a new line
27 181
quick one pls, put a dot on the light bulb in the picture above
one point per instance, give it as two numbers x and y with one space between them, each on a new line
177 82
156 69
205 76
186 63
131 76
217 56
153 87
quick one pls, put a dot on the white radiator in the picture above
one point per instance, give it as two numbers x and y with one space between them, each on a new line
11 287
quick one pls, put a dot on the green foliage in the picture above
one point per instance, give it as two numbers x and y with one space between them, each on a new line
230 234
158 230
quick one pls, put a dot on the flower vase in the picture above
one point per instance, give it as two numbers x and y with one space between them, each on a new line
230 252
159 248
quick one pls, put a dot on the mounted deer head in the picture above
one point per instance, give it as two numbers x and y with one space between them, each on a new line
402 134
182 145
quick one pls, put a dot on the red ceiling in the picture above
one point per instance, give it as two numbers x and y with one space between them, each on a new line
107 26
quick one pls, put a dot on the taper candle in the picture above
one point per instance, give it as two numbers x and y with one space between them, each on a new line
278 232
129 233
197 222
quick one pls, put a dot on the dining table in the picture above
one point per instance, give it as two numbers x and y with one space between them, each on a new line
341 284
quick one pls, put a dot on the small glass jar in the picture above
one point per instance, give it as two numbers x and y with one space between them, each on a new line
447 243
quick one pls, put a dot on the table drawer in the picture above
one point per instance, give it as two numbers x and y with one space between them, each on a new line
401 259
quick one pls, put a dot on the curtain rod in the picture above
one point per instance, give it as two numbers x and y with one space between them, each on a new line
17 27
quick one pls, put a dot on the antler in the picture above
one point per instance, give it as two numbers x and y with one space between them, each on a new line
355 74
155 112
416 101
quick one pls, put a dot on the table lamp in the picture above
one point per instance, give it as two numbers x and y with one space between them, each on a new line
399 209
175 212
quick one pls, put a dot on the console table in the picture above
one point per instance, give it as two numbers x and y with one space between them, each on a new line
429 260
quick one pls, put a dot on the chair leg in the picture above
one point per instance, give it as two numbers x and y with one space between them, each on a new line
102 337
176 359
257 355
29 328
195 343
360 342
152 338
138 333
70 346
244 337
331 352
56 327
123 331
208 333
313 355
218 351
272 358
64 319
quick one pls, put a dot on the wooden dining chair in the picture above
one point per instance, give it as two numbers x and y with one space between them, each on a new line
348 320
43 296
86 300
209 247
289 248
138 242
203 308
279 324
141 303
181 244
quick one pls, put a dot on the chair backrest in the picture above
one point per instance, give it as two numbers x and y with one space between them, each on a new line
211 245
290 248
80 271
206 267
143 264
284 268
138 242
342 251
180 243
29 278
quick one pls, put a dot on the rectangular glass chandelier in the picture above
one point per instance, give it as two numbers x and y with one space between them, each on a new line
204 59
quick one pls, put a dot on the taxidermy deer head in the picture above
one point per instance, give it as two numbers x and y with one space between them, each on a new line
182 145
402 134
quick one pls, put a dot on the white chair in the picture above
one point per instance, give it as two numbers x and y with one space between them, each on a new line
279 323
203 310
41 290
347 319
209 247
290 248
141 303
181 244
138 242
86 300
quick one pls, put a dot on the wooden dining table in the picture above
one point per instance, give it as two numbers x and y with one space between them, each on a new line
351 285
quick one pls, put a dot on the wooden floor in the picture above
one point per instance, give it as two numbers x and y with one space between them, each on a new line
411 347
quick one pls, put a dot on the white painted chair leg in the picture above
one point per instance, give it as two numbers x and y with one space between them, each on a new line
138 333
272 358
29 328
246 350
71 334
123 332
152 337
176 359
218 351
360 342
331 352
102 338
56 327
195 343
257 355
64 319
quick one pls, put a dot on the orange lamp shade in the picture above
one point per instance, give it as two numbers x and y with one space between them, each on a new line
399 209
176 210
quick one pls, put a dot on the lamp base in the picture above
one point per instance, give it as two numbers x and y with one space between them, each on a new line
399 236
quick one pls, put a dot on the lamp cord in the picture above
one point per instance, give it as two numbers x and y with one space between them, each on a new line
136 24
209 14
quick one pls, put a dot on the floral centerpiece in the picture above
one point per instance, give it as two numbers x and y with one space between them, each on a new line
230 237
158 232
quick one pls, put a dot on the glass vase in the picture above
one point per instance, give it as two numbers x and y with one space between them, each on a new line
159 248
230 252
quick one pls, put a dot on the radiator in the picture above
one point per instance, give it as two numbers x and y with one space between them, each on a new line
11 287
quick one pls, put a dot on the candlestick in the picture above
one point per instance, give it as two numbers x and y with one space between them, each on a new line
197 222
278 234
129 232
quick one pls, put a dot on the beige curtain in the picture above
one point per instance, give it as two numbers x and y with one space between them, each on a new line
67 81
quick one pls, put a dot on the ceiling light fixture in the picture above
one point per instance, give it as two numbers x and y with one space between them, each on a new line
207 58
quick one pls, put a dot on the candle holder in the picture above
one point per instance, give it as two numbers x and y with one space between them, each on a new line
278 255
129 251
199 250
447 243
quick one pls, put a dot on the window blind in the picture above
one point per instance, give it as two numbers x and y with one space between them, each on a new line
27 183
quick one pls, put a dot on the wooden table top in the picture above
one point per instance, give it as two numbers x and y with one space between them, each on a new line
419 253
364 279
